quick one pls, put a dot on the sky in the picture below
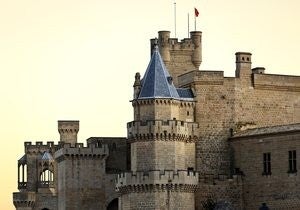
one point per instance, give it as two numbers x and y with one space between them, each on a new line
76 60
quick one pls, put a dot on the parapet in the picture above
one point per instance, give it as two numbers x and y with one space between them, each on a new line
157 180
39 146
162 130
202 78
164 41
276 82
171 46
79 151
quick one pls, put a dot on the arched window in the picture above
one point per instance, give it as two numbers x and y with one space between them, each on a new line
22 175
46 176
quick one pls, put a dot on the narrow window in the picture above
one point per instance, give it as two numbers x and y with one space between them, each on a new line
266 164
25 173
292 162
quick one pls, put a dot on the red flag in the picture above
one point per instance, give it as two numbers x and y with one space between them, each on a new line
196 12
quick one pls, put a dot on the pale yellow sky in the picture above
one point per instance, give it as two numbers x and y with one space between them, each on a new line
75 59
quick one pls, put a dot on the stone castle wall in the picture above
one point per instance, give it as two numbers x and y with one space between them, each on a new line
158 201
279 188
159 155
226 105
119 153
81 177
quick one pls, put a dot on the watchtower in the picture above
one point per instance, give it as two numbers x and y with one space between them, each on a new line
68 130
179 56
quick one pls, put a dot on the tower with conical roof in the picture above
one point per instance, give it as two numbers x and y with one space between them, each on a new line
162 140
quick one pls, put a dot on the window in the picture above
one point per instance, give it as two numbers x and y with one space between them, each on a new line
46 176
266 164
292 162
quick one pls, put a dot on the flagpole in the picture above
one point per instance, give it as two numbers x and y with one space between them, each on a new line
188 25
175 17
195 23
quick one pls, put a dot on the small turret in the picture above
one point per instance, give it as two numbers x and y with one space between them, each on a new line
164 46
243 64
258 70
137 85
197 52
68 131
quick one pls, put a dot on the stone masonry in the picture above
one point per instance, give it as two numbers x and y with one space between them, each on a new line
198 140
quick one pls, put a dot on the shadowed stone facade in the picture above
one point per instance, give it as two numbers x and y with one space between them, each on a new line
198 140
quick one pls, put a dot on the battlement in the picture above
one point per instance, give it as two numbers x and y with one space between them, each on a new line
161 179
79 151
179 56
159 129
164 41
201 77
39 146
276 82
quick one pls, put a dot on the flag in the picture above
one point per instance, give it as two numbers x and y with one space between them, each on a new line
196 12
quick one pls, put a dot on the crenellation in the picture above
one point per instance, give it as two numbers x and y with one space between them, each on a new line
179 56
39 147
79 150
159 129
157 177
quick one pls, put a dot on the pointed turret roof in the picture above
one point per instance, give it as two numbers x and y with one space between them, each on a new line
157 82
47 156
23 159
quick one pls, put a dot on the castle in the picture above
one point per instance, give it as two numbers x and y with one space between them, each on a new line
198 140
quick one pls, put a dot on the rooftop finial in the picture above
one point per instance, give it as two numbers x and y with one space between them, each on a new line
155 44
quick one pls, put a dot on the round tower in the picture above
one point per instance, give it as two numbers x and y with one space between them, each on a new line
196 37
162 141
164 46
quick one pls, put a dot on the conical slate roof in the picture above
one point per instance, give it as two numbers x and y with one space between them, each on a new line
157 82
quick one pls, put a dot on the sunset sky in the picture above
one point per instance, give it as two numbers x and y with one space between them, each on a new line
76 60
